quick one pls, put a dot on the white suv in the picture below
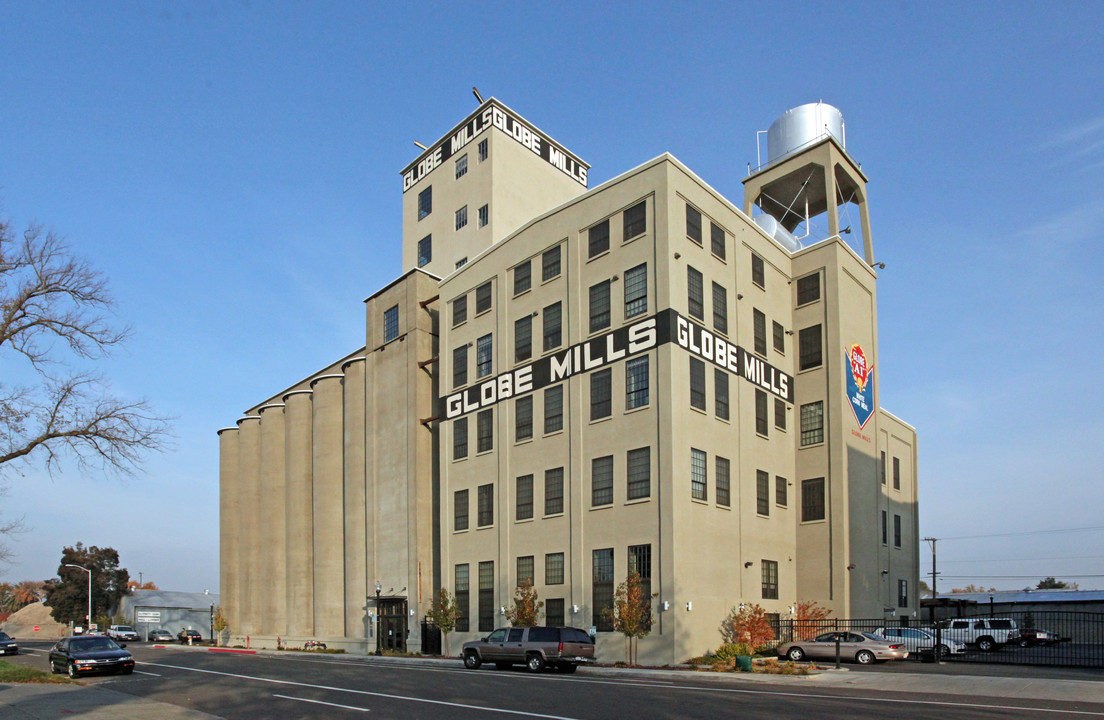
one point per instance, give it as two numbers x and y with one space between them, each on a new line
986 633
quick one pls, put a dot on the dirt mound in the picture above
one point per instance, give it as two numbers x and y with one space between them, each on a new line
21 625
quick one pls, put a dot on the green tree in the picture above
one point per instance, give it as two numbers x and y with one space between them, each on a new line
1051 584
527 608
631 614
67 595
219 624
747 624
444 612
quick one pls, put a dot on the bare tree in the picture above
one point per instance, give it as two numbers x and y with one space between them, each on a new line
55 308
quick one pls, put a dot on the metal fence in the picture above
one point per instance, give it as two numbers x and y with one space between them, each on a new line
1073 639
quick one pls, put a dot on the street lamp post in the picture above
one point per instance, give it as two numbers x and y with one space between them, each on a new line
379 622
88 620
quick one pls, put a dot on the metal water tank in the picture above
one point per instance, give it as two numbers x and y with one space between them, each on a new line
803 126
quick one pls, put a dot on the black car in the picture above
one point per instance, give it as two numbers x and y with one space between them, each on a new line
189 637
88 654
8 645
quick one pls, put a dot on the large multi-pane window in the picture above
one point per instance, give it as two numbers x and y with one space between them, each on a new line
636 220
526 570
896 530
523 338
484 215
600 306
717 237
598 239
483 356
762 492
636 383
720 393
553 326
460 510
720 308
758 271
770 579
697 383
523 418
390 323
781 491
484 427
779 337
523 277
602 589
462 588
695 293
425 202
812 499
761 421
636 290
483 298
601 481
812 423
485 505
460 366
639 473
425 250
809 348
523 509
699 475
553 409
462 166
808 289
554 569
550 264
601 394
694 224
460 310
780 413
486 596
640 562
760 327
554 612
553 491
459 438
724 484
461 217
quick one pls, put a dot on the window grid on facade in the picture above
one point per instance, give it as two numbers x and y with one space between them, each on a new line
636 383
896 473
462 166
636 220
720 308
697 383
425 202
762 492
758 271
781 491
460 310
896 530
779 337
553 409
808 289
486 596
461 217
524 498
809 348
484 215
554 612
485 509
554 569
553 491
425 250
523 338
724 484
462 588
601 394
812 499
550 264
598 239
780 413
694 224
390 323
602 589
523 277
483 356
600 306
460 366
459 438
640 562
601 481
717 238
812 423
699 475
761 421
484 422
526 570
720 393
636 290
483 298
460 510
639 473
760 327
523 418
770 579
482 150
553 326
694 293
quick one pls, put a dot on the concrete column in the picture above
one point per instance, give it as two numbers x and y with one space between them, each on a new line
299 513
249 558
356 582
329 516
229 522
273 522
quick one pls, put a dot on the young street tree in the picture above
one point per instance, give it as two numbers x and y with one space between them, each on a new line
67 595
631 614
747 624
527 608
444 613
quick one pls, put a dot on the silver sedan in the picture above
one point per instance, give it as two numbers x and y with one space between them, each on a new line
863 648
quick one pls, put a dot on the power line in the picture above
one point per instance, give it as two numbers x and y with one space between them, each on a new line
1009 577
1026 532
1029 559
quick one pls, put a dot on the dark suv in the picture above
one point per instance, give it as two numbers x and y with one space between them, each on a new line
561 648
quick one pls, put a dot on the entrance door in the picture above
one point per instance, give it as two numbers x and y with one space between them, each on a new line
393 623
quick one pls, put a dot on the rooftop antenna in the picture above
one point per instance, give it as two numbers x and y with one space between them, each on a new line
475 91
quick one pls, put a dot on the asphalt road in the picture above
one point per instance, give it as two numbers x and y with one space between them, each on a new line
293 685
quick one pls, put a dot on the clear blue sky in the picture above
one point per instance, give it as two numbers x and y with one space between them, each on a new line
234 169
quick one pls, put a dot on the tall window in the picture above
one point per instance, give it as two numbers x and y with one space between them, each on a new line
808 289
525 570
694 293
779 337
896 473
896 530
523 338
636 220
639 473
554 612
550 264
902 593
761 422
554 569
600 306
601 481
762 492
462 589
425 250
482 150
770 579
553 491
486 596
720 393
882 468
812 499
809 348
720 308
524 508
697 383
485 509
425 202
461 217
601 394
781 491
885 528
553 326
717 236
523 418
598 239
459 438
460 310
640 562
390 323
636 382
484 422
693 224
462 166
699 475
602 586
483 356
483 298
460 366
724 492
758 274
812 423
460 510
636 290
523 277
760 326
553 409
780 413
484 215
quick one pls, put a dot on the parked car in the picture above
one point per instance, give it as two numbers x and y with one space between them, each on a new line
122 632
1028 637
561 648
8 646
917 639
987 633
160 635
863 648
78 655
189 637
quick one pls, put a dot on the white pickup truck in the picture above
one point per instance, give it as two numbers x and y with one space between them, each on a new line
986 633
122 632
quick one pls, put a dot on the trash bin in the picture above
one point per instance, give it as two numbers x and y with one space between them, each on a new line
927 655
744 663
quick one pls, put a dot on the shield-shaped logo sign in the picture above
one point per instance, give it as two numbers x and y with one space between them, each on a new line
860 385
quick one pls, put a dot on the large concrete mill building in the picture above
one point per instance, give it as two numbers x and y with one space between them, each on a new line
567 385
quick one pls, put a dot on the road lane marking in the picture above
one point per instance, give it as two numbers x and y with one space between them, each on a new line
143 672
319 702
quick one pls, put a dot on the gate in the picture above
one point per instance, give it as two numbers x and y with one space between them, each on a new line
431 638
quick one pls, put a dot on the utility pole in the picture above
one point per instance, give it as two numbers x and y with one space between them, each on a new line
931 614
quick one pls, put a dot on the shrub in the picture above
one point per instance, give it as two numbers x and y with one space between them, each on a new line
729 651
747 624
